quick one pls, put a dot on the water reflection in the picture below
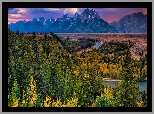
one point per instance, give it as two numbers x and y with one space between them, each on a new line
97 45
142 85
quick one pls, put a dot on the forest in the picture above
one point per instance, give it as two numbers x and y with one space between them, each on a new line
47 72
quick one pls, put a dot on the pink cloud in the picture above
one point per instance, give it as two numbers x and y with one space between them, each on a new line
11 20
115 14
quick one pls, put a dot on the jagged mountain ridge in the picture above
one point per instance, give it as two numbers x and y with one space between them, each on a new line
133 23
87 22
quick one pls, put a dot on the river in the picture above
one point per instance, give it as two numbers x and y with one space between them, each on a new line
142 85
97 45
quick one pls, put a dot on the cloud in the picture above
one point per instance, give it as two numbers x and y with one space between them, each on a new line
13 11
10 8
32 10
18 10
115 14
71 10
15 16
43 10
12 20
51 9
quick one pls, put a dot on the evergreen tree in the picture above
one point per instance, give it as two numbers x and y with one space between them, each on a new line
127 92
17 32
34 35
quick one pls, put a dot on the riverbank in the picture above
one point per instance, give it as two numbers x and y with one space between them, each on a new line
111 80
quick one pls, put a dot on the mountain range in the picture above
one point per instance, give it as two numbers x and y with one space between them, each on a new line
133 23
87 22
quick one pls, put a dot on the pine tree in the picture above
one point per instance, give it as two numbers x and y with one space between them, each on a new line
127 92
17 32
34 35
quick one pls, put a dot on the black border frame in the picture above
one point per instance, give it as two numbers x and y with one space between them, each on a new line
6 5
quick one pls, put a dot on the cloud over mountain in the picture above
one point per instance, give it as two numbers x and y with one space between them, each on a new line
88 21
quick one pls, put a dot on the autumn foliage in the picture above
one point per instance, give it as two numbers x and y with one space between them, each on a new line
42 73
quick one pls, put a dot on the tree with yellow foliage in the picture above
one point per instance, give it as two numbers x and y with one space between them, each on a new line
47 101
30 95
106 99
73 102
13 98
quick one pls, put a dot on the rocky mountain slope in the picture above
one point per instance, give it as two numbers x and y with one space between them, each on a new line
133 23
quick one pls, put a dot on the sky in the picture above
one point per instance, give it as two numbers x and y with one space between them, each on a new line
107 14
